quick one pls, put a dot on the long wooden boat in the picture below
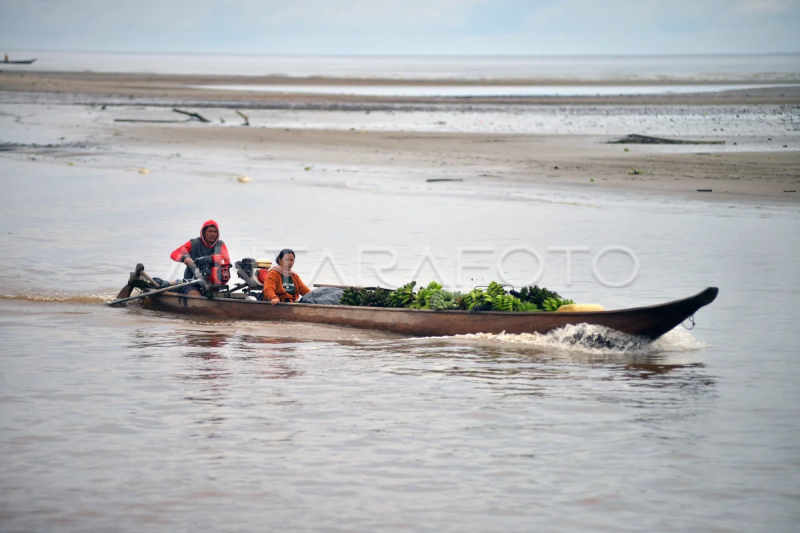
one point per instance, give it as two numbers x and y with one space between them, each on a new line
19 61
650 322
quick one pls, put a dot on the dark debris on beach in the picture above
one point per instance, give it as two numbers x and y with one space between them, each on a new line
645 139
14 147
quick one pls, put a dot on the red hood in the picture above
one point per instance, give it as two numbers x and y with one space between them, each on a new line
205 225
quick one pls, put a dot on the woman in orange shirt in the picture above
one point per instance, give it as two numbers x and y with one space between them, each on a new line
281 284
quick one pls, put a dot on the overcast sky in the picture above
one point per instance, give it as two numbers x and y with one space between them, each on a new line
404 26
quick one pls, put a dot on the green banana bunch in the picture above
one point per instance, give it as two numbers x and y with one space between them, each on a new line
404 296
365 298
466 300
377 298
477 300
424 296
483 301
443 300
351 296
495 289
422 300
503 302
525 307
434 286
552 304
536 295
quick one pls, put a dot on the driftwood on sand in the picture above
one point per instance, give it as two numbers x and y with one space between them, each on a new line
644 139
147 120
195 116
245 117
198 116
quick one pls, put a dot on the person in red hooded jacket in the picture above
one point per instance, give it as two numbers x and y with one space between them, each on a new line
208 243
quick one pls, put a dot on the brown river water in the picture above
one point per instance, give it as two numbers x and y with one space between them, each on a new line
131 420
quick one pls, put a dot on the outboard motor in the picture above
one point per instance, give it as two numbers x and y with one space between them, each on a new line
251 270
215 269
246 270
249 266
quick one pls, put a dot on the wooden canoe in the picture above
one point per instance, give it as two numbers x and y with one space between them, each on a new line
19 61
650 322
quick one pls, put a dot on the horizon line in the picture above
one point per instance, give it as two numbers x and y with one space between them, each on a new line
392 54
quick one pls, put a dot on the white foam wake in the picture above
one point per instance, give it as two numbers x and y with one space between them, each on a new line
597 340
60 298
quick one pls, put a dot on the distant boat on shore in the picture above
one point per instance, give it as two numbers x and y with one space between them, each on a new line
19 61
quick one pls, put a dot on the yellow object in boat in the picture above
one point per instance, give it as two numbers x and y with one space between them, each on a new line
580 308
263 263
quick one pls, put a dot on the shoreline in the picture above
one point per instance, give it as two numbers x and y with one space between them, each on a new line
585 164
561 141
101 87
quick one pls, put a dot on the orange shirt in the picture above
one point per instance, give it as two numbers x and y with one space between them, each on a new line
273 287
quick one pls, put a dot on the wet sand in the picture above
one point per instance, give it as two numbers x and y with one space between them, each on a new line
764 168
185 88
585 162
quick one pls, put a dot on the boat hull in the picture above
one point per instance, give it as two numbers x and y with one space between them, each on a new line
650 322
